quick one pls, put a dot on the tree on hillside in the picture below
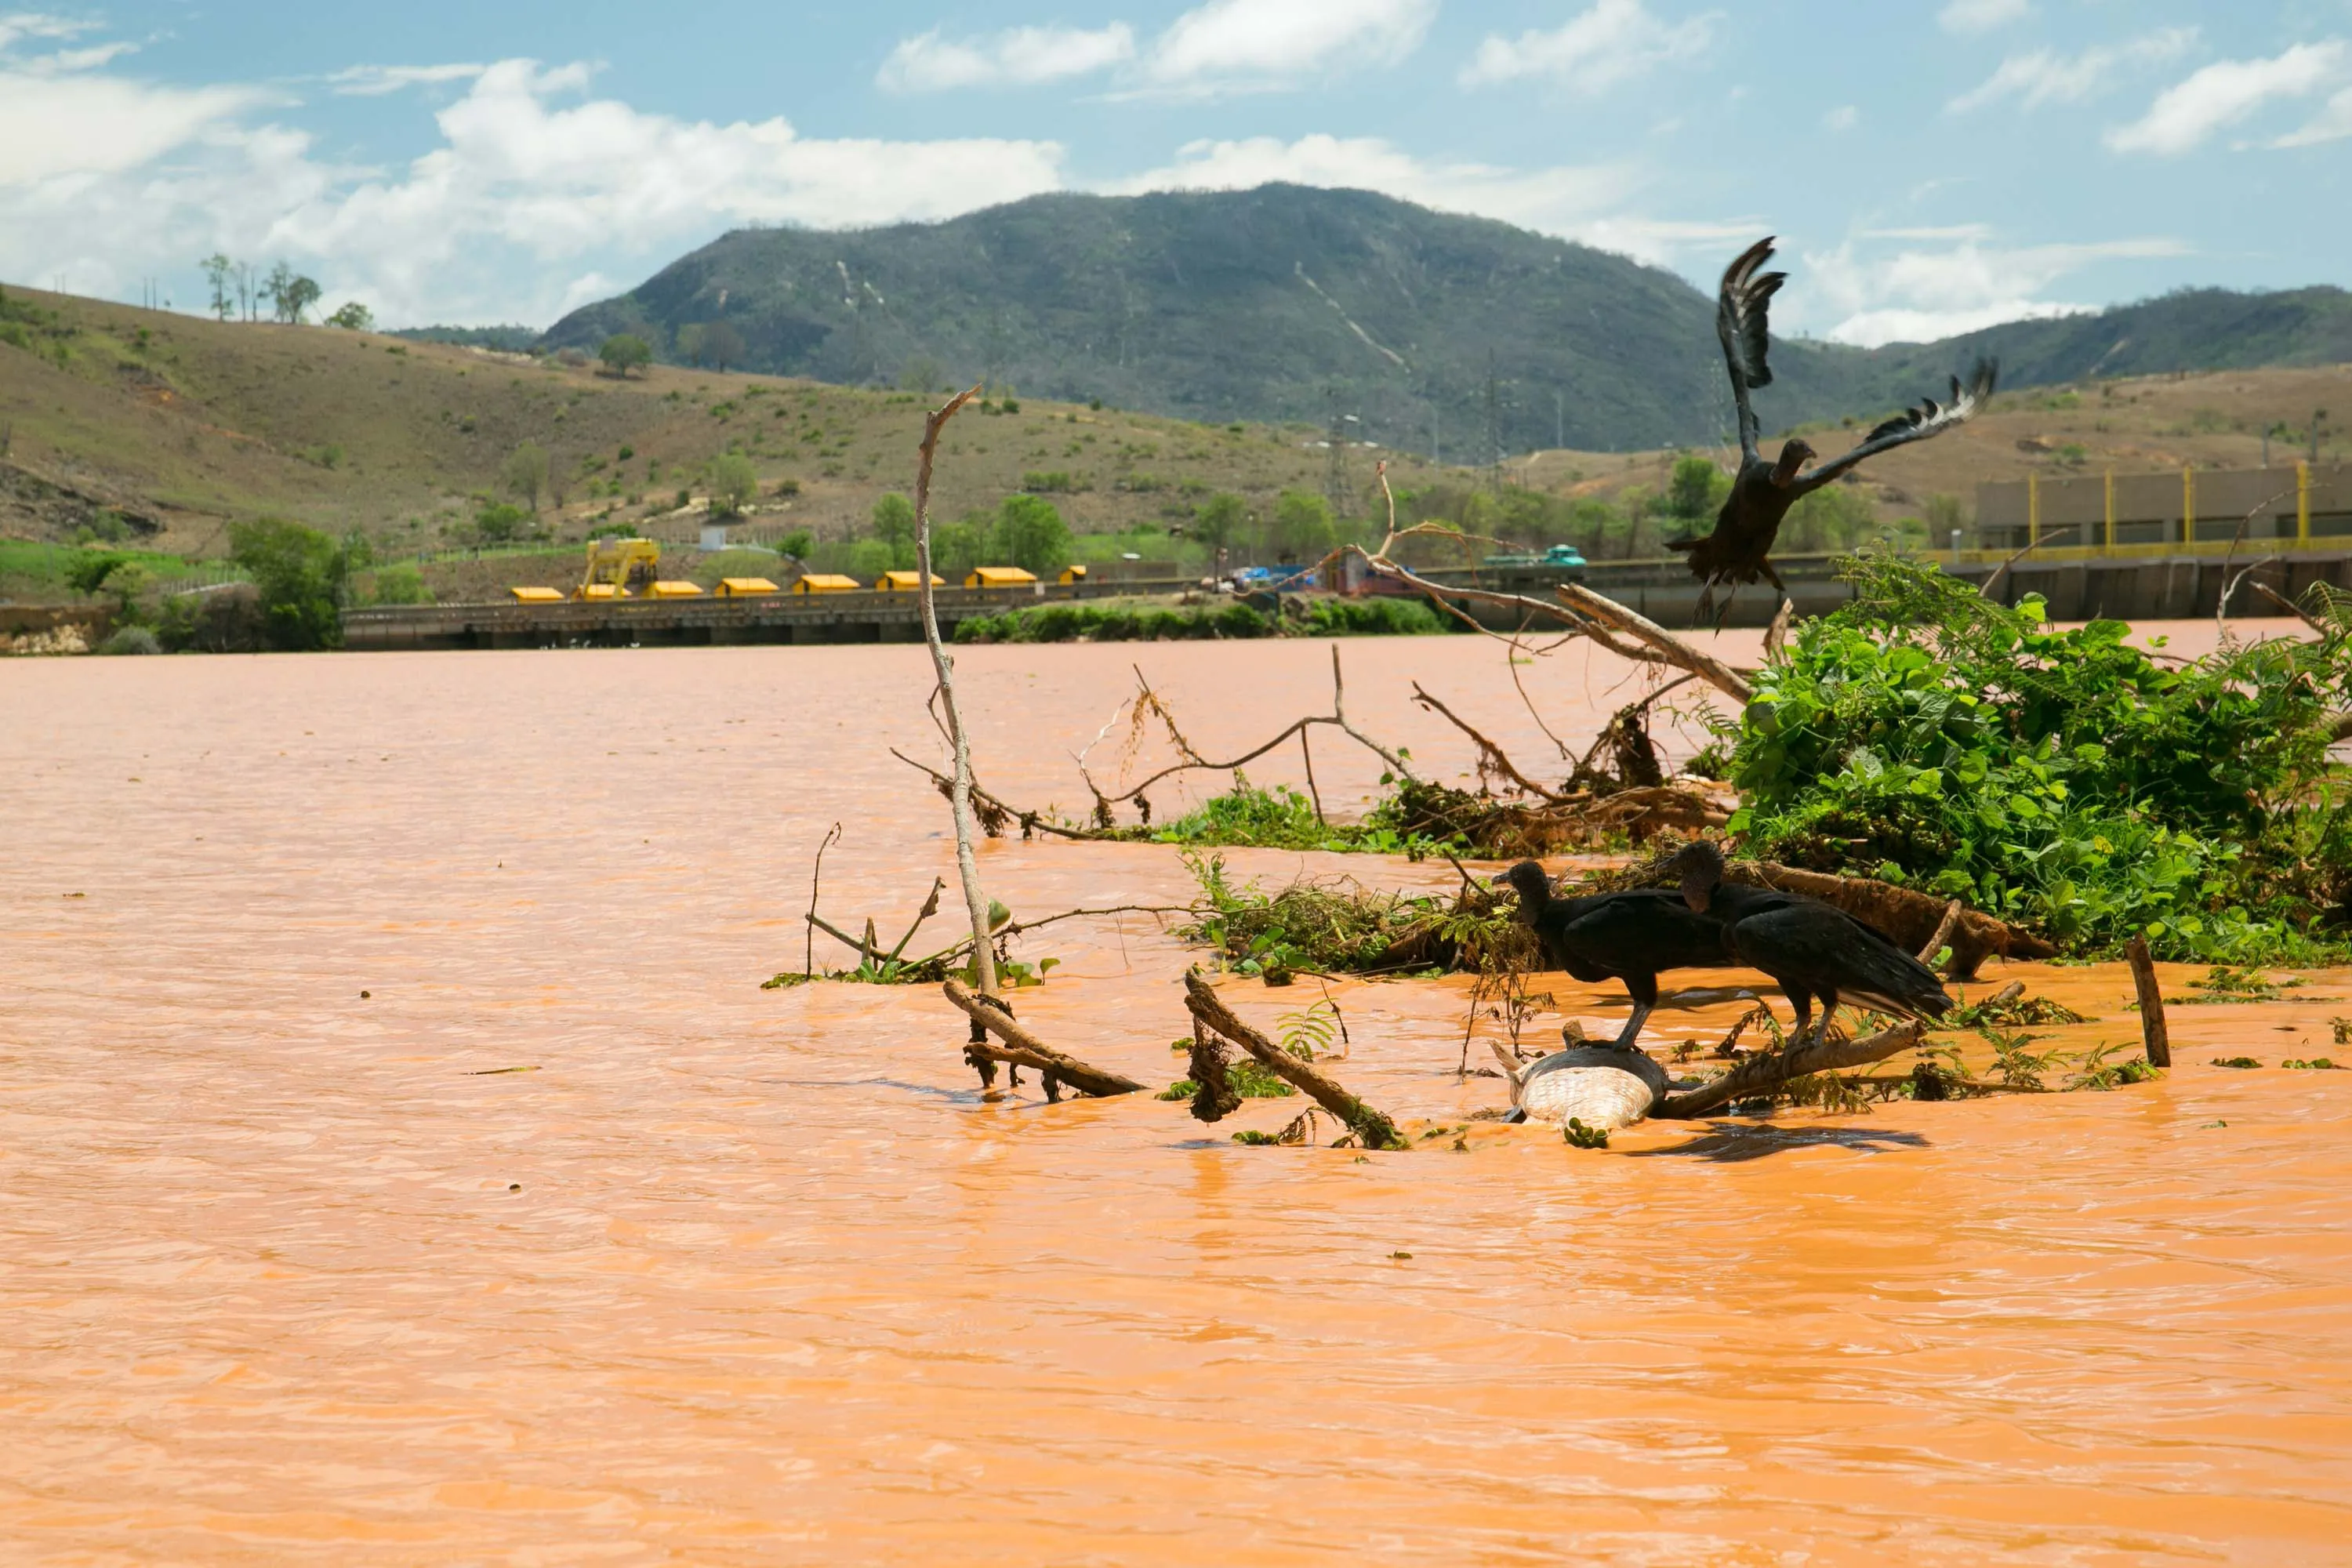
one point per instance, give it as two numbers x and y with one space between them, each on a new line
1696 489
354 317
734 483
526 472
894 520
626 352
1218 521
289 293
689 341
957 547
220 271
722 344
1835 517
299 573
1029 534
1303 529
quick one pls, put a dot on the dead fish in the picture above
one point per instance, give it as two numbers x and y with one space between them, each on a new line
1598 1085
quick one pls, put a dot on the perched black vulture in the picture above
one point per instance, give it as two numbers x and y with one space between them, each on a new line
1630 936
1762 492
1808 948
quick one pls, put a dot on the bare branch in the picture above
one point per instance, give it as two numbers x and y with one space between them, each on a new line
1028 1050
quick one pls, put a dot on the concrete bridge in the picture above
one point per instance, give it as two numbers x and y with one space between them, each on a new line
2145 581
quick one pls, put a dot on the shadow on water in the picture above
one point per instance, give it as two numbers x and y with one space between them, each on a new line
1727 1142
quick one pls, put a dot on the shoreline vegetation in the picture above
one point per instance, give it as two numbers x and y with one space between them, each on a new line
1967 779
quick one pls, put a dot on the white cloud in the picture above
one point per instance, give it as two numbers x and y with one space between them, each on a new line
2332 124
1920 295
374 82
521 194
2046 77
2225 92
57 123
1845 117
1021 56
1614 41
1981 15
1257 44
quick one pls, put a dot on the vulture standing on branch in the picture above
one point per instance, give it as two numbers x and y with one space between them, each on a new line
1761 491
1629 936
1808 948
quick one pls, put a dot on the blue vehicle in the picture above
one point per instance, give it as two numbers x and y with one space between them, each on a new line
1559 557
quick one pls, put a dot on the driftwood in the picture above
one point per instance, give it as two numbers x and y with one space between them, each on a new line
1934 945
1371 1128
1908 918
1763 1073
2154 1036
1026 1050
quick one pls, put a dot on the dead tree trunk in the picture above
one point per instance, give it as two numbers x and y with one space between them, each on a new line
983 956
2152 1031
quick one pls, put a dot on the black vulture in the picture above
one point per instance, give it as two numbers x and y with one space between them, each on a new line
1629 936
1808 948
1761 491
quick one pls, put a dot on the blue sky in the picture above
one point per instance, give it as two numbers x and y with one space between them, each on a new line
1930 169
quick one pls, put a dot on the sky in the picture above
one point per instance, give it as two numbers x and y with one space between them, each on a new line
1930 168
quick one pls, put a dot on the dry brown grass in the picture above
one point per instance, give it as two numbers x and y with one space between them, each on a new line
213 422
2138 425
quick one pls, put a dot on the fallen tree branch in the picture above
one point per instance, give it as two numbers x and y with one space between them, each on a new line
1027 1050
1371 1128
1943 930
1670 649
1760 1075
1491 757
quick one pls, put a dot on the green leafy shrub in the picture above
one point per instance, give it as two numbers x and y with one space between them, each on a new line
299 573
2059 778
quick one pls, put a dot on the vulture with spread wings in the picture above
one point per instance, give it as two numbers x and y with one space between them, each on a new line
1762 491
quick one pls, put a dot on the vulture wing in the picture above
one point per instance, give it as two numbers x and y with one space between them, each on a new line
1742 306
1930 418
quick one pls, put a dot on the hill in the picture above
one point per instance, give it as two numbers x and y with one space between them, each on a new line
1292 303
160 429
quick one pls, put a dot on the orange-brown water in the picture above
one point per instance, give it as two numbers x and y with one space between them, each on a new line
746 1277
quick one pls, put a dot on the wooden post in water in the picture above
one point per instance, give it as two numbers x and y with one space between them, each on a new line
2151 1005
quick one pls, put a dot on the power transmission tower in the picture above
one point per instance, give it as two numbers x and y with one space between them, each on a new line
1494 427
1335 457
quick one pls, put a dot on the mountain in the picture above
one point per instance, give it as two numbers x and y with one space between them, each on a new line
1292 303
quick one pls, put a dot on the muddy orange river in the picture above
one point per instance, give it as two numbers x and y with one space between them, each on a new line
400 1162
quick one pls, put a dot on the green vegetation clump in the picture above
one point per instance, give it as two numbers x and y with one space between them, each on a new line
2060 779
299 575
1339 926
1115 622
1249 816
1128 623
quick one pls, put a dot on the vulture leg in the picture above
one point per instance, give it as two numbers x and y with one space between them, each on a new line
1802 1001
1643 990
1773 577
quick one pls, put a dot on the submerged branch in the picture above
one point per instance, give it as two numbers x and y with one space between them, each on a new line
1760 1075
